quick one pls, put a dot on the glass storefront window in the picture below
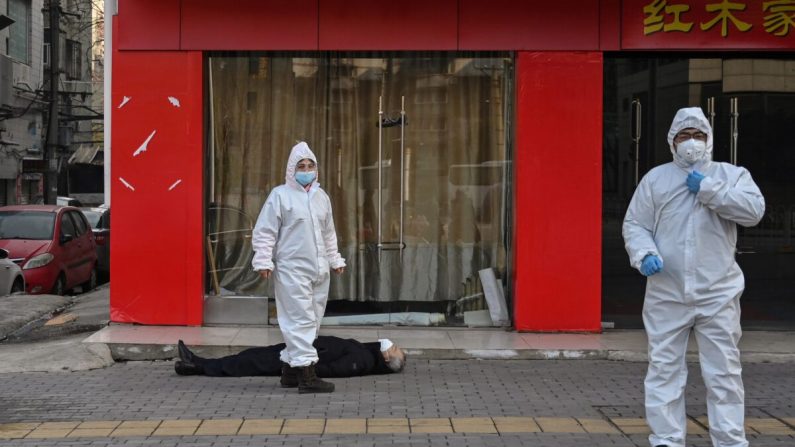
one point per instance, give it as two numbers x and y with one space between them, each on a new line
440 192
751 101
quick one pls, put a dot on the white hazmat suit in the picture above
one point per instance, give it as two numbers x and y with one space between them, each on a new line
295 238
698 288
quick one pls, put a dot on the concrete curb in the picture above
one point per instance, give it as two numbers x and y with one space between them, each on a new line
65 354
148 352
138 352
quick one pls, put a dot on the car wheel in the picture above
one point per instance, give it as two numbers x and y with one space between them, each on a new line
59 288
91 284
18 287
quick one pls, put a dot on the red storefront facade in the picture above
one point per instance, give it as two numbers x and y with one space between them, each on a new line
159 129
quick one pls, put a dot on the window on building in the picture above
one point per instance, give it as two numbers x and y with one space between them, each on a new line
4 192
74 65
31 190
19 32
419 211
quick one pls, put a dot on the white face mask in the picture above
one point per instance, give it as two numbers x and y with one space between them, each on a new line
691 150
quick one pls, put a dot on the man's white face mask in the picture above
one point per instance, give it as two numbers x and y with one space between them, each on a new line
691 150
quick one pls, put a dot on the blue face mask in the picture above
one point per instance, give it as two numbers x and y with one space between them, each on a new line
305 178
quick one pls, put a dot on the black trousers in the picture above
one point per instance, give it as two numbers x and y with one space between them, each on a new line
251 362
337 357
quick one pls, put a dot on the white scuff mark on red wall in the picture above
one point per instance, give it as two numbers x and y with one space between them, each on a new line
127 184
124 101
175 184
174 101
143 146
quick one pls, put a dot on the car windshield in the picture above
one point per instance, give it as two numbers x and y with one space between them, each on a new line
26 225
93 218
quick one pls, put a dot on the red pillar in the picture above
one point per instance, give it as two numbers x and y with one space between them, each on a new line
156 187
558 179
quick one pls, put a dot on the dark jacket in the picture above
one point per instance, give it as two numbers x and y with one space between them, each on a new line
337 357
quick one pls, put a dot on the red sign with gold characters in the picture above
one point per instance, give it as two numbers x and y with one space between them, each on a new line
708 24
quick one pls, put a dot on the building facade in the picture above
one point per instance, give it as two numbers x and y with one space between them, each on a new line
460 142
22 100
80 170
25 98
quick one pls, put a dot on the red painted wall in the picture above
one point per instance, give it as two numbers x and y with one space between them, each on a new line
365 25
156 248
528 25
374 25
148 24
558 194
249 25
610 25
584 25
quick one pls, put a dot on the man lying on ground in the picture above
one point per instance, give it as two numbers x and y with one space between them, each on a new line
338 357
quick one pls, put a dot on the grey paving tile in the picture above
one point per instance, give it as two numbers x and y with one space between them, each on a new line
581 389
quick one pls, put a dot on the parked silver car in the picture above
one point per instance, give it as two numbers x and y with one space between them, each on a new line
99 219
11 278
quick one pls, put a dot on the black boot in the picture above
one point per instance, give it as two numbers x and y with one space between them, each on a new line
184 353
308 381
188 369
188 364
289 376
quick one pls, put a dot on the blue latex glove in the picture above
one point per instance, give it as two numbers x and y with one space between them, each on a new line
694 181
651 264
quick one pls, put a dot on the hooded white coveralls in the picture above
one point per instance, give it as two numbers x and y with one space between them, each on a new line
698 288
295 238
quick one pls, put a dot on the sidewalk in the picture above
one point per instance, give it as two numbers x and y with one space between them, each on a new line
501 399
28 315
134 342
44 332
432 403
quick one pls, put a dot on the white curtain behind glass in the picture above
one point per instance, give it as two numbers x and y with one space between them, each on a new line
454 165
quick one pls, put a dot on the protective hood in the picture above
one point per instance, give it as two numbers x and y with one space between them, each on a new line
300 151
687 118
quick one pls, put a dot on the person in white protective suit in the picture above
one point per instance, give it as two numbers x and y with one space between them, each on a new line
680 231
295 242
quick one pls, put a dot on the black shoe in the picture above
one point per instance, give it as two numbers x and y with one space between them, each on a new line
188 369
289 376
184 353
661 445
308 382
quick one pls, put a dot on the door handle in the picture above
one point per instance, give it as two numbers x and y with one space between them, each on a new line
637 115
402 170
735 118
711 112
402 123
380 168
399 245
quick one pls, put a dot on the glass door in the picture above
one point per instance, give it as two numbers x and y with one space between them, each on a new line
751 102
766 146
413 152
